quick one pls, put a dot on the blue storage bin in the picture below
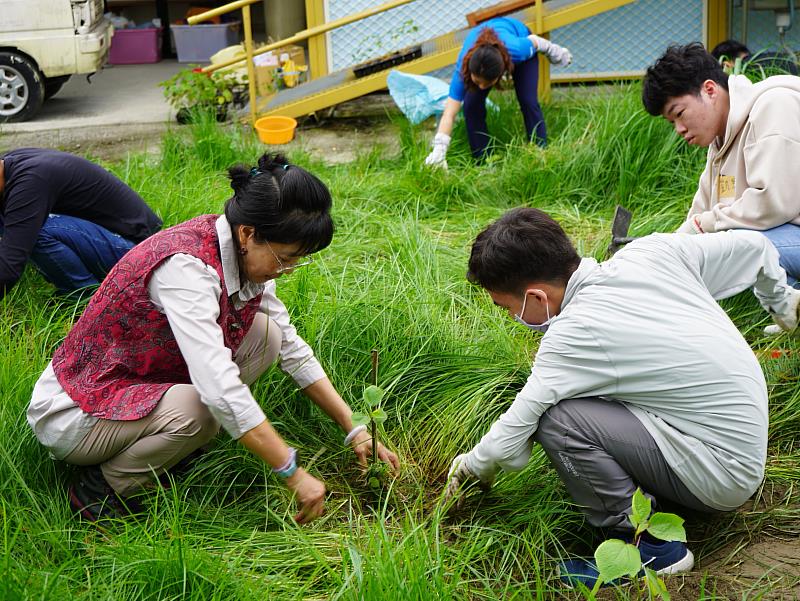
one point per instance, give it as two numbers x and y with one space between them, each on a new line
197 43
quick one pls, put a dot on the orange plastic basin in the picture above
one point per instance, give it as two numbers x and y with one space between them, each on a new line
276 130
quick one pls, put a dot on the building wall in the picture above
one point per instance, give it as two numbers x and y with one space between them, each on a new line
761 31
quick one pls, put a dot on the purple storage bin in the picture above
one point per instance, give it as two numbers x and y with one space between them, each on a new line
135 46
198 43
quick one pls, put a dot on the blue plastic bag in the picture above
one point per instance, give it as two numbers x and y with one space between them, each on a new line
417 96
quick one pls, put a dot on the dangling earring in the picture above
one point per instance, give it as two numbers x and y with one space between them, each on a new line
242 250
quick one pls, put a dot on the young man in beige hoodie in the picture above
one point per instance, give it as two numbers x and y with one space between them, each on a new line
752 131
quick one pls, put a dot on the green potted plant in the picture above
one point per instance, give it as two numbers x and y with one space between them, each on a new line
191 91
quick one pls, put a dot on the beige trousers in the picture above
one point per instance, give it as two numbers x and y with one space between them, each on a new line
130 453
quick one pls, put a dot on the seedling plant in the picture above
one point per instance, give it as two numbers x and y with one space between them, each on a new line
617 559
373 396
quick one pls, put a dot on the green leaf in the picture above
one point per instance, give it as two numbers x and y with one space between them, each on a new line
640 510
656 585
374 482
667 526
616 558
378 416
359 419
373 395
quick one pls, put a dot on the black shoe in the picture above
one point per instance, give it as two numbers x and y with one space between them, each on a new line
181 469
93 499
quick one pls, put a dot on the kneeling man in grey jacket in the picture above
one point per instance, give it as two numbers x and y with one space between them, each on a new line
640 380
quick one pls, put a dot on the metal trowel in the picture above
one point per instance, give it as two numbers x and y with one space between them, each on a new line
619 231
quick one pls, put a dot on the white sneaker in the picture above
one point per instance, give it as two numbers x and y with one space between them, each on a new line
787 321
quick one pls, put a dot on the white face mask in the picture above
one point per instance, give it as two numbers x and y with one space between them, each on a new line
536 327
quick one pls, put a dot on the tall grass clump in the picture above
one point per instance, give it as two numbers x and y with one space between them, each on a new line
451 362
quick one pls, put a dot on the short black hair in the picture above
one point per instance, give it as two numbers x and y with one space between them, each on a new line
525 245
680 71
730 49
283 202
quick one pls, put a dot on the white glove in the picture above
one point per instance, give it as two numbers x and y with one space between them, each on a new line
459 478
558 55
437 157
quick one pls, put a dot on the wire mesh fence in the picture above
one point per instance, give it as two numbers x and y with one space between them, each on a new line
621 41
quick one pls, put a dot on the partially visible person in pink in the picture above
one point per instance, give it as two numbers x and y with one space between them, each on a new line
166 350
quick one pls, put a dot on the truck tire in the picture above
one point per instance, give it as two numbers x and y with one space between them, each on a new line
53 84
21 88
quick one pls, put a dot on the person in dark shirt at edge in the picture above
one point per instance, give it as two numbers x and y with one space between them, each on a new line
71 218
728 51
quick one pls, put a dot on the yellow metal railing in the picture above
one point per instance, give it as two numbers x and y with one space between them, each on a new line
312 31
317 45
248 43
298 37
536 18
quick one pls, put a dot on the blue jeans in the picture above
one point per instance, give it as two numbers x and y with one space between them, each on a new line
526 81
73 253
786 239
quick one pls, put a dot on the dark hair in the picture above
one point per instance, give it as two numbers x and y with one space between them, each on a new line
283 202
730 49
680 71
488 59
525 245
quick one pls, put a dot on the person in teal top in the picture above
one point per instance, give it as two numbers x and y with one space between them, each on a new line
496 47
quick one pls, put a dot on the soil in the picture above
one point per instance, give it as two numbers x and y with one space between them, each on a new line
106 143
760 560
341 140
333 141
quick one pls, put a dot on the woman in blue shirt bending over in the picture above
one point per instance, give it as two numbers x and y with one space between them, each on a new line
496 47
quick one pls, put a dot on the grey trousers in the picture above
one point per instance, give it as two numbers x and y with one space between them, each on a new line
130 453
603 453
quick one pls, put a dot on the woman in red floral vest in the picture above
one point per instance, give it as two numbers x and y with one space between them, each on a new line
165 350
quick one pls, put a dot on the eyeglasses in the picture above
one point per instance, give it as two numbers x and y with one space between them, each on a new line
285 268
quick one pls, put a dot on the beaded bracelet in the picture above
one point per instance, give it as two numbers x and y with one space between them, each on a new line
289 467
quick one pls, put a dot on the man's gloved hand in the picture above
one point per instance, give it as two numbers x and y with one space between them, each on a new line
437 157
558 55
459 479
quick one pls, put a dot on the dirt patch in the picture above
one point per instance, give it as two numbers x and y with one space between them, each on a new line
103 142
338 141
768 568
334 141
761 558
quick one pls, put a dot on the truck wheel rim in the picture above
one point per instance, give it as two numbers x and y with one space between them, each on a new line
13 91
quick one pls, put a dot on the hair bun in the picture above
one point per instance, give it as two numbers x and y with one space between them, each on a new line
240 177
268 162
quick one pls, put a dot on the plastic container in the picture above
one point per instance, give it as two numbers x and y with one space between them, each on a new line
135 46
388 61
196 43
276 130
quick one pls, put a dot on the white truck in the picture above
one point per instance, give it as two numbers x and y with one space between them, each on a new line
43 43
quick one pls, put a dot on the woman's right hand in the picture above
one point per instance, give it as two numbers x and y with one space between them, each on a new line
310 495
437 157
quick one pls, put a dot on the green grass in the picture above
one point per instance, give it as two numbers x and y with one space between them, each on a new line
393 279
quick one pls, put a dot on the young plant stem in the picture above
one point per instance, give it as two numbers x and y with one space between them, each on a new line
372 424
